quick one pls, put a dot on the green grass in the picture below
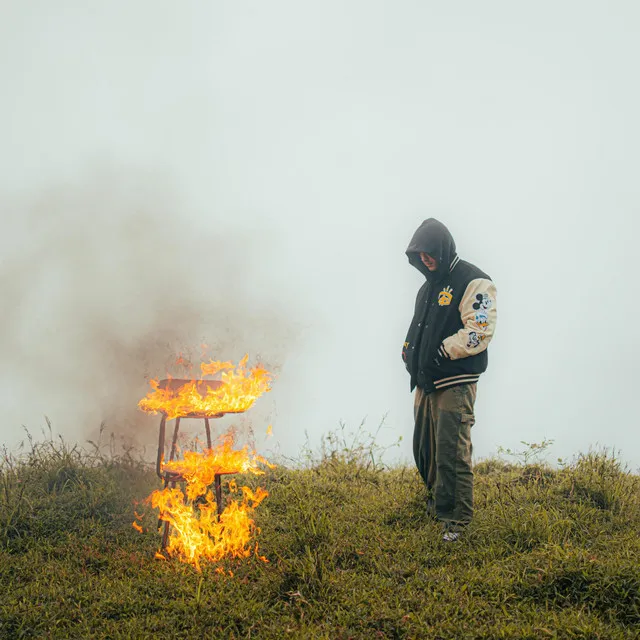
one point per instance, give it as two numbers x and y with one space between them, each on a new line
550 554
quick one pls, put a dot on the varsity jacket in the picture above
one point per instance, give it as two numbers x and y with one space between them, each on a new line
454 317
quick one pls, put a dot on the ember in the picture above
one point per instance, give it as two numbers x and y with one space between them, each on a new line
197 526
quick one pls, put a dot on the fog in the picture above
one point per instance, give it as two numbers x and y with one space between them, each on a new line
248 175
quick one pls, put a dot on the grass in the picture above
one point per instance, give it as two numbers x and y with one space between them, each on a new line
552 553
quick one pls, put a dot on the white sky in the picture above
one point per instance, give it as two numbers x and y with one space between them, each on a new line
250 174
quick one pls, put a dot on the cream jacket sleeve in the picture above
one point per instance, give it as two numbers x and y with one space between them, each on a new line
479 315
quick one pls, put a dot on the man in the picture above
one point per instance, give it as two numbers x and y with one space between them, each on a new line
445 352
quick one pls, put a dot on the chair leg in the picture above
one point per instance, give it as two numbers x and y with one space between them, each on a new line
160 459
208 430
165 536
174 442
167 526
218 487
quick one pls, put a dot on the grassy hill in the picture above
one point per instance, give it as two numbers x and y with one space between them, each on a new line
551 553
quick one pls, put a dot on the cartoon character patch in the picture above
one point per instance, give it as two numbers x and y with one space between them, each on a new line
445 297
474 340
483 302
482 319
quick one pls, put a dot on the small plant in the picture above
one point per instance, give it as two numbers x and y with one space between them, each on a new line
359 447
533 453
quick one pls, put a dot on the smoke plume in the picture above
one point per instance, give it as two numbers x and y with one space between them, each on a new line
104 283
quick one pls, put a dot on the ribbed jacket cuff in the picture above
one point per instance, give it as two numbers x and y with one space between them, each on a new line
443 352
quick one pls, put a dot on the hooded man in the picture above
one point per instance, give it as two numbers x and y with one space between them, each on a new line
445 352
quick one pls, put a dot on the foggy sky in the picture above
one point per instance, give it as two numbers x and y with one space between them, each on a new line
249 174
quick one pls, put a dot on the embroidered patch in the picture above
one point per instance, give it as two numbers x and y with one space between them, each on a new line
445 297
474 340
482 319
483 302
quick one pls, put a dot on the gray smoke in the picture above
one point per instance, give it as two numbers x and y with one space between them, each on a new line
105 282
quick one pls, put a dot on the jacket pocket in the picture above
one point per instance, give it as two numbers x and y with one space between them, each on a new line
437 366
468 419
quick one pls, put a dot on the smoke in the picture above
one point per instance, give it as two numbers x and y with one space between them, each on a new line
103 283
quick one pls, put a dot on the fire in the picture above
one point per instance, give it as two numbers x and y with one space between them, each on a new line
197 529
199 469
235 392
198 534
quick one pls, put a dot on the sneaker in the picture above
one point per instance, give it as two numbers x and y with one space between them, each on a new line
450 536
451 531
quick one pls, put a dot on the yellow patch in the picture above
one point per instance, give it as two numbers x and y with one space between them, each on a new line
445 297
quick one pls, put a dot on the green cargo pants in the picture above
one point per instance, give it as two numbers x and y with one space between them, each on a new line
442 451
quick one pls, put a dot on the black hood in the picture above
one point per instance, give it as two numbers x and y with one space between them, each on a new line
432 237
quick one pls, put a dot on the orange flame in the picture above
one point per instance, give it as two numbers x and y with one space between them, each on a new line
197 533
236 391
199 469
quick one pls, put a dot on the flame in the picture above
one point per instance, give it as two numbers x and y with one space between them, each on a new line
212 367
197 533
236 391
199 469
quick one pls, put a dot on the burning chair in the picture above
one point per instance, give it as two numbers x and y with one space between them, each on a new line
205 400
170 477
